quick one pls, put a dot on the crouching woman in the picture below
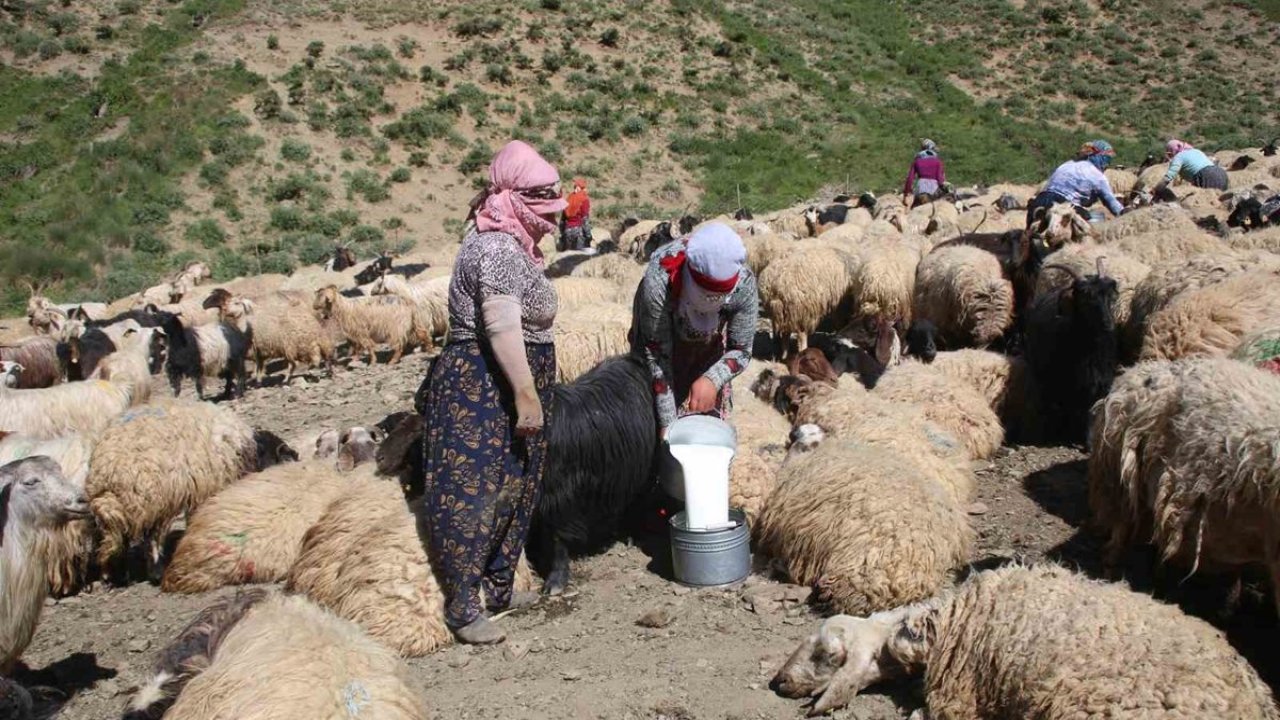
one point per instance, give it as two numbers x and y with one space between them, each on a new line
488 395
694 322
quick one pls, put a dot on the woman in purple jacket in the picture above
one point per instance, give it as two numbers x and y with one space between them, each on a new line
926 176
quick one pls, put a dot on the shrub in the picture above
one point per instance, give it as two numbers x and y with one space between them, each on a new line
366 235
476 159
634 126
104 32
207 232
549 4
228 264
499 73
277 262
128 7
348 155
267 104
273 42
610 37
214 173
50 49
294 186
149 243
407 46
285 217
295 150
392 223
477 27
400 175
430 76
76 45
418 159
315 49
419 126
368 185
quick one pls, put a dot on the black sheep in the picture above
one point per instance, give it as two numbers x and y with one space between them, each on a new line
1241 163
742 214
185 358
1252 213
660 236
342 259
688 223
602 441
1071 352
377 268
817 218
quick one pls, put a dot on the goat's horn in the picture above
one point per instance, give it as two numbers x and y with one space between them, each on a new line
1070 271
1101 271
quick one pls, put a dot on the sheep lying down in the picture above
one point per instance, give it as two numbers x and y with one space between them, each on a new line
1038 643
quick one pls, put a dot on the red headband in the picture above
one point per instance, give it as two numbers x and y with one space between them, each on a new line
712 285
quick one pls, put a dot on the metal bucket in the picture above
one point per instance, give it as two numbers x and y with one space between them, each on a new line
691 430
713 557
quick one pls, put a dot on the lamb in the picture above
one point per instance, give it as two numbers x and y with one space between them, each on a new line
1188 453
584 339
863 525
962 290
1071 352
819 220
216 349
155 463
1038 642
366 323
35 499
251 532
430 300
1083 257
801 289
280 330
38 356
75 407
1212 320
319 667
960 410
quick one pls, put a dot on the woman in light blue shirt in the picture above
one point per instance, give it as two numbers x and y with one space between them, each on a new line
1080 182
1194 166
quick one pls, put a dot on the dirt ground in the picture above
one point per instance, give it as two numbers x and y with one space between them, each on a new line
585 655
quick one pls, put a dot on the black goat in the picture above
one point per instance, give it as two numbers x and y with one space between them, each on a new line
602 442
81 355
342 259
660 236
1147 162
818 219
1242 163
743 214
688 223
1251 213
1269 150
149 316
378 267
1071 353
215 349
867 201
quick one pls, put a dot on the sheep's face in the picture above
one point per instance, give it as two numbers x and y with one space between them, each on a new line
327 444
922 340
765 385
35 493
358 445
10 372
323 305
805 438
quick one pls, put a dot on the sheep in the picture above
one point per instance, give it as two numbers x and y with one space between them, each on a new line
960 410
575 293
217 349
1071 352
365 324
1083 257
762 435
15 701
66 550
82 354
1260 349
1038 642
801 289
883 279
152 464
342 259
1267 239
632 238
864 526
251 532
611 266
818 220
1212 320
280 330
1122 181
38 357
75 407
35 499
789 221
962 290
1192 449
1156 234
319 667
998 378
584 339
764 249
430 300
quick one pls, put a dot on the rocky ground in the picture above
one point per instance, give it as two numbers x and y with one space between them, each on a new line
626 642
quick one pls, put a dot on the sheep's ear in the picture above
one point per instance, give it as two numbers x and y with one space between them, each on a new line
5 493
346 459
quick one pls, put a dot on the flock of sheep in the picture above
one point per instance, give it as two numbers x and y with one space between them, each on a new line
903 346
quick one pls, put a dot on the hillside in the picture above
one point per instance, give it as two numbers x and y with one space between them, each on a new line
136 135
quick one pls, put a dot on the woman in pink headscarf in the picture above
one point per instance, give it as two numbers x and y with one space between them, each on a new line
1192 165
487 395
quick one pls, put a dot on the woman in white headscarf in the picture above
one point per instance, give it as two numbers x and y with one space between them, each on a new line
694 321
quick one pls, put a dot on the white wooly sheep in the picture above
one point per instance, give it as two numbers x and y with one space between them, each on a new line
367 322
789 221
287 658
154 463
962 290
959 408
1038 642
587 337
430 299
1212 320
863 525
1267 239
252 531
615 266
998 378
587 294
139 354
1083 258
1156 234
66 550
35 499
765 248
883 279
1122 181
935 218
1170 279
762 439
631 241
802 288
1187 454
75 407
281 330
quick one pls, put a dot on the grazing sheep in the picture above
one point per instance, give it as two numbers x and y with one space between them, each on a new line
38 356
68 549
430 300
959 410
801 289
1039 642
35 499
319 667
1083 258
214 350
1071 353
251 532
602 440
75 407
152 464
1212 320
963 292
584 339
366 323
1191 449
864 526
280 331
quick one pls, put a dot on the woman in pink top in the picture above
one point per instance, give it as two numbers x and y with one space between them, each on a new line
926 177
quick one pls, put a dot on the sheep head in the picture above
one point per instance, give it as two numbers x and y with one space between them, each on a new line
327 444
358 445
805 438
217 299
35 493
326 298
848 654
10 372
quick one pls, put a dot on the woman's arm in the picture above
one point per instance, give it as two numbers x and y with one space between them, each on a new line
651 340
1108 197
1175 167
741 336
911 179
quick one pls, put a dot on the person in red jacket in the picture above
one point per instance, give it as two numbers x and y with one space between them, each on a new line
926 176
575 228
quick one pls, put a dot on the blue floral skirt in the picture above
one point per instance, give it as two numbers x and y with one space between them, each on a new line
482 482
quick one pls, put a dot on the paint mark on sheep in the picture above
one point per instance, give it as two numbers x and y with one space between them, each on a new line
355 696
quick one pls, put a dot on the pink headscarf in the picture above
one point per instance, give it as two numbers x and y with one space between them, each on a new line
522 187
1175 146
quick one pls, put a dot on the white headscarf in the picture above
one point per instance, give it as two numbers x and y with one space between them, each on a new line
713 252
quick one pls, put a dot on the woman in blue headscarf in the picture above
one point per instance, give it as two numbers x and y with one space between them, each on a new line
1080 181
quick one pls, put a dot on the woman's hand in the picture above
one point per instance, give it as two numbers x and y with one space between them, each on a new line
702 396
528 412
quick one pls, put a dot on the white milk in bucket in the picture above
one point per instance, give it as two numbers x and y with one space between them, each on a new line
706 484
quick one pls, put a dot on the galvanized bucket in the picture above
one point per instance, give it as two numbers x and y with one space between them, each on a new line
710 558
